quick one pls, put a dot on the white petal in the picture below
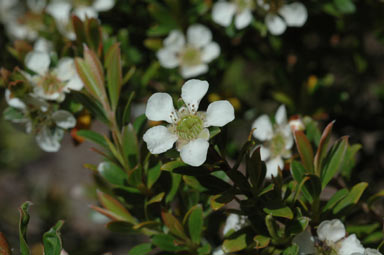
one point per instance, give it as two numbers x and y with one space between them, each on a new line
219 114
210 52
64 119
243 19
38 61
294 14
281 115
350 245
167 58
85 12
49 139
218 251
160 107
306 242
193 71
36 5
75 83
273 165
60 10
222 13
275 24
232 222
14 101
331 231
42 44
199 35
264 152
159 139
263 128
194 153
66 69
192 92
369 251
175 41
103 5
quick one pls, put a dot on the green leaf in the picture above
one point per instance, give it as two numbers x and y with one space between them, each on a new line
236 244
157 198
256 171
13 114
345 6
4 246
261 241
323 147
139 123
174 225
93 137
91 105
170 166
340 194
349 160
112 173
195 223
114 74
127 109
130 145
23 225
114 206
213 184
284 212
166 243
93 34
353 197
89 79
141 249
153 175
120 226
334 161
52 240
176 179
375 197
292 250
305 150
204 250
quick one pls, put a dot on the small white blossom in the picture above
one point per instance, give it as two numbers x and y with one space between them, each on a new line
277 140
52 84
188 127
234 222
280 16
191 54
350 246
331 231
241 10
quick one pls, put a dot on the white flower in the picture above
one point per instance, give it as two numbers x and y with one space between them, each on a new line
277 140
52 84
369 251
218 251
188 127
279 17
306 242
350 246
331 231
297 124
9 10
234 222
223 13
62 11
193 54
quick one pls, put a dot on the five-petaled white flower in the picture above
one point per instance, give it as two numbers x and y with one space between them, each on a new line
52 84
193 54
187 126
277 140
223 13
281 15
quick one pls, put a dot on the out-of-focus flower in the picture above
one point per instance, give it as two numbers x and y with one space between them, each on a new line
306 242
62 11
9 10
52 84
191 54
218 251
223 13
277 140
280 16
296 124
234 222
188 127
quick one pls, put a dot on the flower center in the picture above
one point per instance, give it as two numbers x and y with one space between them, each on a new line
277 144
190 56
189 127
50 83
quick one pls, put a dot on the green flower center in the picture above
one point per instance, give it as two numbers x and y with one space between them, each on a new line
189 127
190 56
277 144
50 83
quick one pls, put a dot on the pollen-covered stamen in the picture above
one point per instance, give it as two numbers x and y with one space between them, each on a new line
190 56
277 144
189 127
174 117
50 83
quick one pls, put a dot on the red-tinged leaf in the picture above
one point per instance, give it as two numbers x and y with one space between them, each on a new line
323 147
305 150
4 246
94 35
174 225
87 77
114 74
114 206
78 27
108 214
95 67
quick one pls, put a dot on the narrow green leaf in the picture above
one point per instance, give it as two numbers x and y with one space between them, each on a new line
237 244
130 145
323 147
112 173
115 206
88 78
195 223
157 198
93 137
114 74
292 250
174 225
334 161
340 194
166 243
261 241
127 110
284 212
305 150
153 175
141 249
256 170
23 225
176 179
353 197
52 240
